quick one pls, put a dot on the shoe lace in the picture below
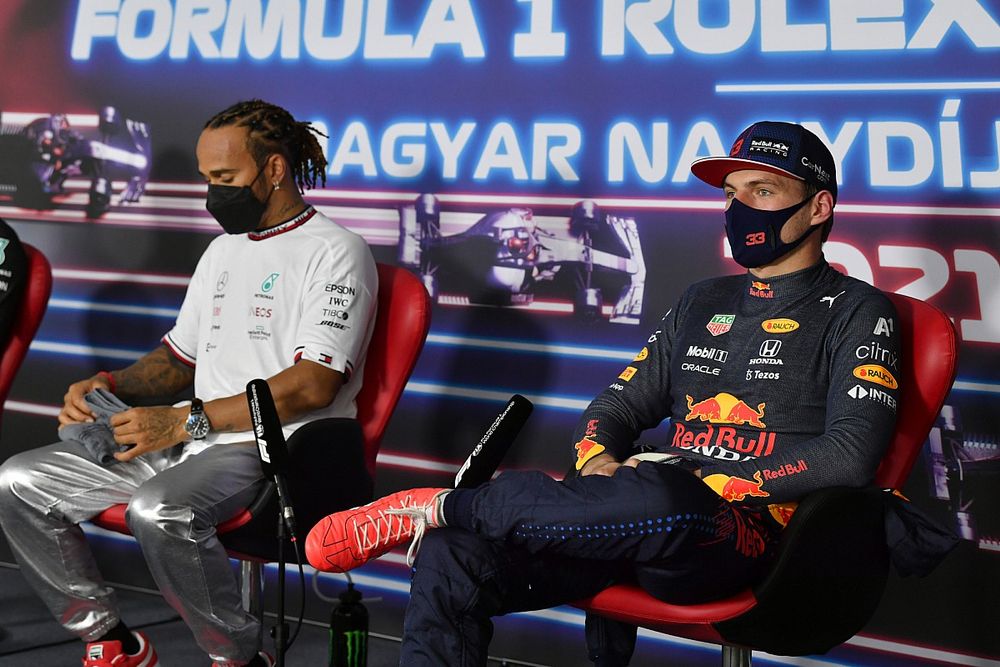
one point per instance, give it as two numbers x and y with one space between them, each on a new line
418 518
390 528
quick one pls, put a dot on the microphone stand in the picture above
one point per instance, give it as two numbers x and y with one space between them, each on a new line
286 520
280 630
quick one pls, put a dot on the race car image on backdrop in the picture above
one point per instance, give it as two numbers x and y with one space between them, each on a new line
43 151
509 256
963 470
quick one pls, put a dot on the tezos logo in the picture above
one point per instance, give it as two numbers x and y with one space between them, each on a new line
268 283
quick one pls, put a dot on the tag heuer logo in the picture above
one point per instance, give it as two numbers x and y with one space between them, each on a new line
720 324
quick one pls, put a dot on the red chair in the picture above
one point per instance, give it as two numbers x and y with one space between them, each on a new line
400 330
833 562
34 301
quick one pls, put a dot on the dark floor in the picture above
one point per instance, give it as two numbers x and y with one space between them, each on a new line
31 638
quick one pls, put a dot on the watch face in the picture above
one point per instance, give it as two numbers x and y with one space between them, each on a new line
197 425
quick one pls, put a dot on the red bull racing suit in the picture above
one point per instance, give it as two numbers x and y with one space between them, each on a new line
773 389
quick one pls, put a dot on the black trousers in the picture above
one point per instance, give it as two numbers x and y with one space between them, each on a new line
525 541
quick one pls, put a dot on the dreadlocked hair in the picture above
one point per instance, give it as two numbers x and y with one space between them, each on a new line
272 129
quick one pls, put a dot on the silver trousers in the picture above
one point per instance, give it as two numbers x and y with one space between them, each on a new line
173 508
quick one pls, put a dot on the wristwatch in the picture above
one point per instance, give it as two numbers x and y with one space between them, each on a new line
197 424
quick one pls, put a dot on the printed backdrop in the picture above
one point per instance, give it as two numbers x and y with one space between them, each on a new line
528 159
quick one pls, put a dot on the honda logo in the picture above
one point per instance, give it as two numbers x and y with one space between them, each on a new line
770 347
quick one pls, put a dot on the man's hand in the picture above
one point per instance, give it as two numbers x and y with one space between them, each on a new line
609 466
75 410
149 429
602 464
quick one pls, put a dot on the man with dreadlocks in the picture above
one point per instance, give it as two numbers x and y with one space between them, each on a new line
286 294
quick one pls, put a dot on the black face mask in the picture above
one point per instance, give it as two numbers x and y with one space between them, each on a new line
235 207
755 235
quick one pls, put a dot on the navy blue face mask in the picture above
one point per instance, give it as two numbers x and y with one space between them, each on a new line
755 234
235 207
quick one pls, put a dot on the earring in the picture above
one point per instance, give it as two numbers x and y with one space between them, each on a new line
276 186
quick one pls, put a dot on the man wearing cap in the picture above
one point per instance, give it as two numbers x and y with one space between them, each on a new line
777 382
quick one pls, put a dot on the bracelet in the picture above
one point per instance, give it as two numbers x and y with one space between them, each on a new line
110 378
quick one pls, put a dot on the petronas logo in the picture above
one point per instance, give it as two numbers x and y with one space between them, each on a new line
3 244
268 283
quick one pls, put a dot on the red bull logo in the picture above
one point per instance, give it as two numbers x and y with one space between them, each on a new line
761 290
587 449
737 489
643 353
724 408
786 470
723 442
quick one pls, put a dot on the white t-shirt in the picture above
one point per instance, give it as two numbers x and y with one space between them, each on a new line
259 302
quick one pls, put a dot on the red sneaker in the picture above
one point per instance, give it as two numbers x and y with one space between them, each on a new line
349 539
111 654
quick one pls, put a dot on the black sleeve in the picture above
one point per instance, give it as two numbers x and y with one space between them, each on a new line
639 398
856 432
13 277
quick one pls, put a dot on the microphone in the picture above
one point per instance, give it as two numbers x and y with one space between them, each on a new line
271 444
490 450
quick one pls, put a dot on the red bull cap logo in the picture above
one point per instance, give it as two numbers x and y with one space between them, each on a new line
876 374
720 324
724 408
779 326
